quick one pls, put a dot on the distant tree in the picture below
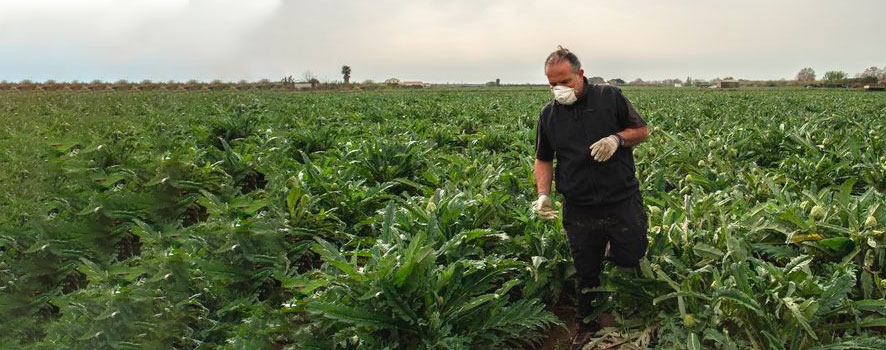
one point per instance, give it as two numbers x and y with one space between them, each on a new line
217 84
147 84
806 75
835 75
346 73
497 82
192 84
872 72
288 82
596 80
26 84
616 81
265 84
637 81
51 85
121 84
307 76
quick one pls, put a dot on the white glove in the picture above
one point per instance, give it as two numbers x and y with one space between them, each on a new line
603 149
543 207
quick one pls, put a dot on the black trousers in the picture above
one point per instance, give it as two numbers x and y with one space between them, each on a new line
623 225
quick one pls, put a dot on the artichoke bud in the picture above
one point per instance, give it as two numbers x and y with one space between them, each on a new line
870 222
817 212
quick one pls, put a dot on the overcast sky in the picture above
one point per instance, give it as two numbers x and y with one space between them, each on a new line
434 41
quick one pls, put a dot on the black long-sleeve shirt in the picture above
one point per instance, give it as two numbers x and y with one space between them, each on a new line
567 132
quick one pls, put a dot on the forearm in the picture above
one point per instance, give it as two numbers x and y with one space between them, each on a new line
544 174
633 136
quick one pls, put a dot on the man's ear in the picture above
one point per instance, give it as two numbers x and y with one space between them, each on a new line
581 72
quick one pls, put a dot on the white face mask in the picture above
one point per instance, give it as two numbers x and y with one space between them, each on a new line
564 94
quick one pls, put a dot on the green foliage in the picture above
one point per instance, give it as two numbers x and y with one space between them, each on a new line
410 292
399 220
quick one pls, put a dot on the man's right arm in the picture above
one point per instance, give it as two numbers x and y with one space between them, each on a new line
544 173
544 157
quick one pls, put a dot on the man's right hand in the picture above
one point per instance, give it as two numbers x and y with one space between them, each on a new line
544 208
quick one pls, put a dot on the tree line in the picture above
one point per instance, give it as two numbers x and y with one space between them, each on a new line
308 80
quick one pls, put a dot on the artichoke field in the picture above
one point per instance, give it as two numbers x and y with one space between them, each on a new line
400 220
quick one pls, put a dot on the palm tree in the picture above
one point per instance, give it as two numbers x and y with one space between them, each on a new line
346 72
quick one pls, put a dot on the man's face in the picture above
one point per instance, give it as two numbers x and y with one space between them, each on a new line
560 73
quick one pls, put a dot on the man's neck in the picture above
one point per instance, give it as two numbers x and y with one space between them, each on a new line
584 88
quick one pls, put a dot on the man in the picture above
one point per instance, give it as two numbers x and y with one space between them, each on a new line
590 129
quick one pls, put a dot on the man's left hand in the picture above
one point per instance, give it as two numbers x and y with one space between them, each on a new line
605 148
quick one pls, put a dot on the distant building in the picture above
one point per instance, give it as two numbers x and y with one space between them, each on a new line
413 84
303 85
728 84
678 85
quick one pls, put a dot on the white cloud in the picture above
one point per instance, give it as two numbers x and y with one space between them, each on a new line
455 40
145 36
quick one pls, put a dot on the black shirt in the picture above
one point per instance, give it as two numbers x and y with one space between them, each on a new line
567 132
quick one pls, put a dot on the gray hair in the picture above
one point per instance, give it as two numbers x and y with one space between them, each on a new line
562 54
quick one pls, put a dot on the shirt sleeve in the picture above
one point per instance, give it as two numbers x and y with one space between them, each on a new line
543 149
627 115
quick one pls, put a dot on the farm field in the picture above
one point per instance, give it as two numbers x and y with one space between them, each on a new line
401 220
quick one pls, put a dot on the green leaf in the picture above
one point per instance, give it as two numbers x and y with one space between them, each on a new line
799 316
396 301
297 203
305 284
741 298
63 146
351 314
333 257
707 251
872 305
837 246
108 181
693 343
834 293
867 323
854 344
472 304
846 191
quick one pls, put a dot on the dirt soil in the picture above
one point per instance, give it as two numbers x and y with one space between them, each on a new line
559 337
